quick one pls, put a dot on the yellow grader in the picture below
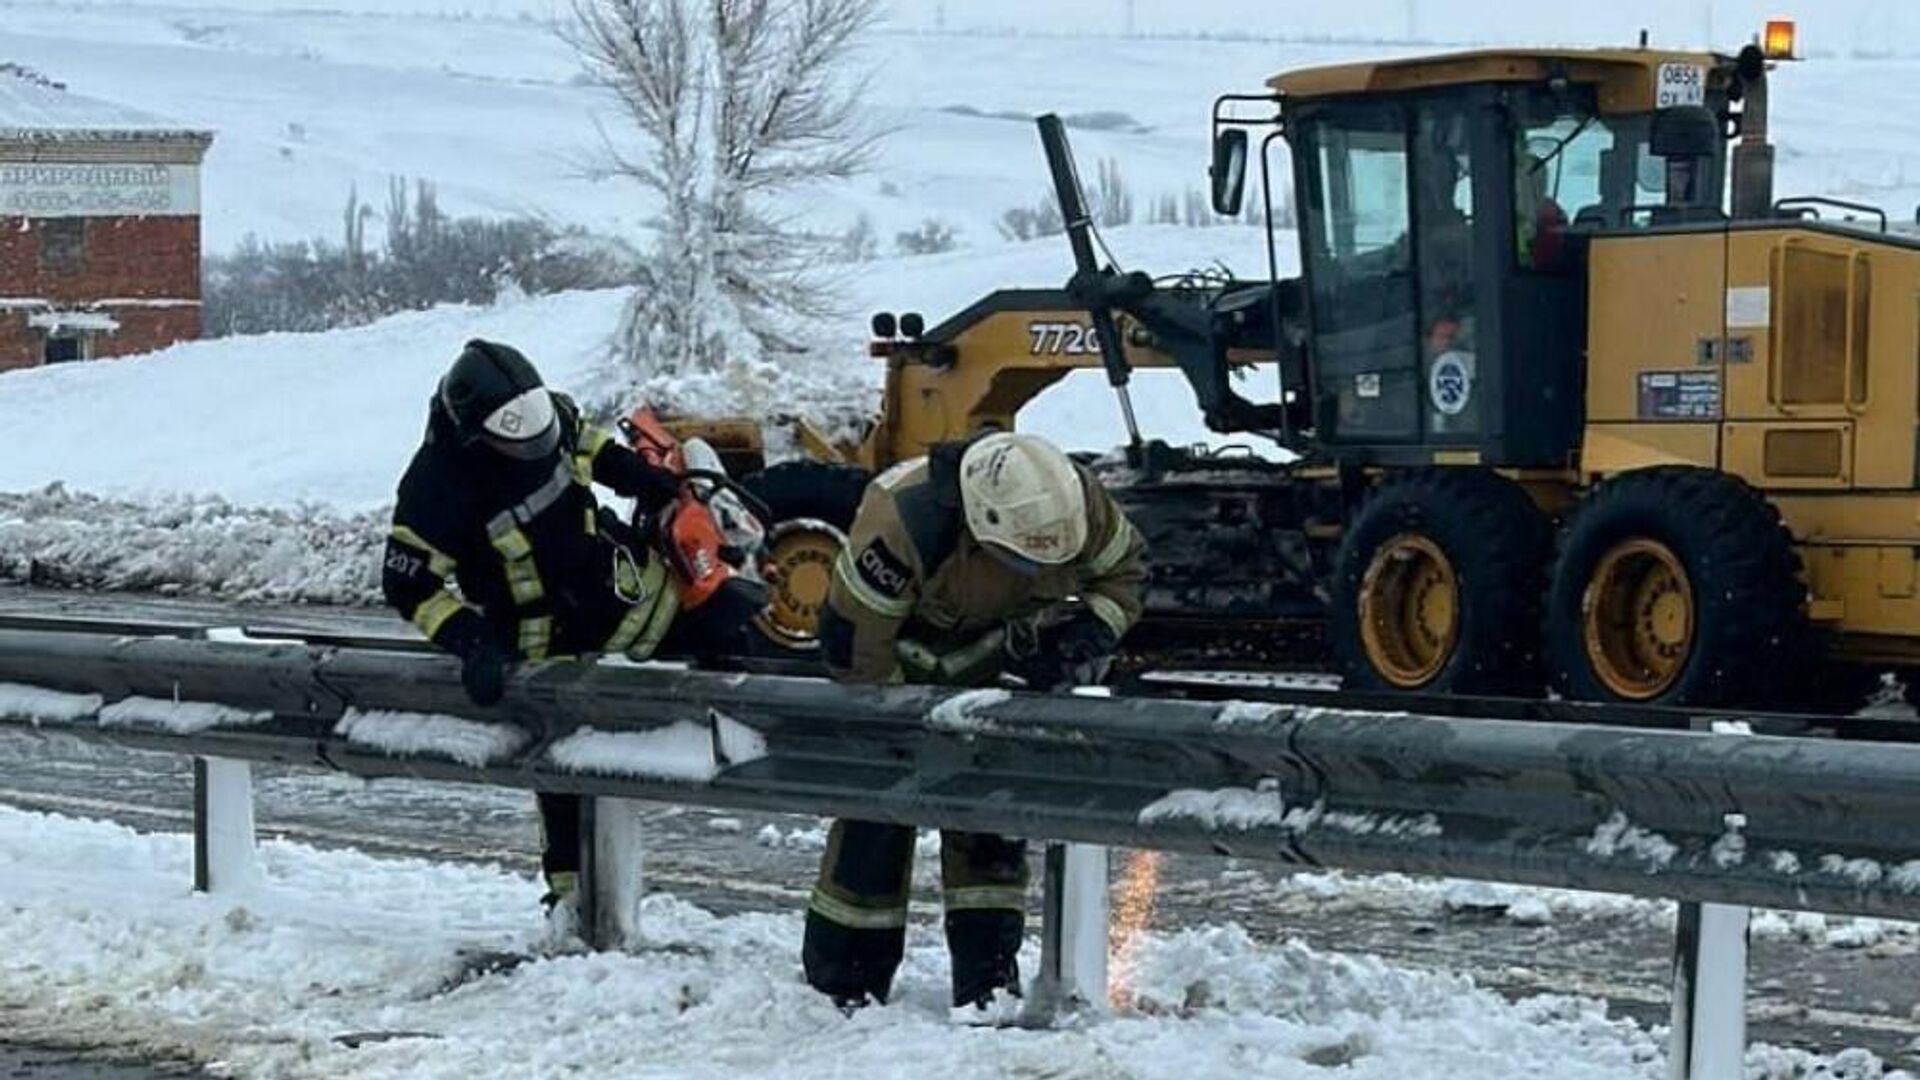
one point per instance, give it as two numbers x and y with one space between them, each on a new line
1575 402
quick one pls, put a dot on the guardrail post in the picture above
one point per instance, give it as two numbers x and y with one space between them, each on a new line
1073 931
223 835
610 884
1709 1040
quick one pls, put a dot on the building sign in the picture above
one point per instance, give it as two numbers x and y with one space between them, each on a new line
104 189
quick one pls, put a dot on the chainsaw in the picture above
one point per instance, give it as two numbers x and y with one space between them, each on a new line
713 535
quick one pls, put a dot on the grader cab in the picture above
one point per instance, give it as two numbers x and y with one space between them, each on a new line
1577 401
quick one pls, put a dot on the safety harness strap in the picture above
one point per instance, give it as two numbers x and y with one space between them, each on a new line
509 540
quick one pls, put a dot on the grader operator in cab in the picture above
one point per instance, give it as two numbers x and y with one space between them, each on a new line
1577 402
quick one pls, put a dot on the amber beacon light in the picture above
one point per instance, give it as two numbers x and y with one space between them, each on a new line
1780 39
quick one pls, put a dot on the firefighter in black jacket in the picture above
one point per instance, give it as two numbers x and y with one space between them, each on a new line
499 501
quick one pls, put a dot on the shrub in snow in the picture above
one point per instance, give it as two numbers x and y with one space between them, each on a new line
1111 200
427 258
1032 222
1193 208
861 242
738 102
931 238
1110 203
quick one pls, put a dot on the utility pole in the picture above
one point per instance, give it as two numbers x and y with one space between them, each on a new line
1132 25
940 15
1413 21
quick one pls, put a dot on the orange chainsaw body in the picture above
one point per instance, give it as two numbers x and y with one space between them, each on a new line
686 530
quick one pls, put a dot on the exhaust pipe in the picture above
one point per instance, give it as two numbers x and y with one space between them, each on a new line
1753 154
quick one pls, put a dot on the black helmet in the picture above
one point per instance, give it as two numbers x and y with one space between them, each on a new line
494 398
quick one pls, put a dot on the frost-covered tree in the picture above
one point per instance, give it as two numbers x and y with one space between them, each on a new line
737 103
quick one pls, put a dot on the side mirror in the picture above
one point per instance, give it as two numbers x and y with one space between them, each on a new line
1229 171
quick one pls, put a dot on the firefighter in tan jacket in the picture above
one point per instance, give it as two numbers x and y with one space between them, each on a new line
1001 557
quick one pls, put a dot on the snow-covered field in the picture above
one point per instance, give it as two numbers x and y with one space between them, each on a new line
290 419
303 977
482 98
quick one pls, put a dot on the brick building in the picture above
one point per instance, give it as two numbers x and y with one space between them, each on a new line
99 226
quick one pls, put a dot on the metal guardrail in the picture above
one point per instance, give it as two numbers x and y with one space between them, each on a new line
1692 808
1792 823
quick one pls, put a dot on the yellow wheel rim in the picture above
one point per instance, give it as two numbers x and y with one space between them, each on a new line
801 552
1638 619
1409 611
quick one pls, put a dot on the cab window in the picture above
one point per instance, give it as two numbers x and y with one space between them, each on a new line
1576 171
1357 223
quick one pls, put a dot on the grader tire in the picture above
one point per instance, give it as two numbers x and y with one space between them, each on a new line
1676 586
813 505
1437 586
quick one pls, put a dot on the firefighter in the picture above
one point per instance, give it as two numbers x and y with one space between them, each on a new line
499 500
977 561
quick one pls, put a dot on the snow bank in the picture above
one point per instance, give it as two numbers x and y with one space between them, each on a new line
401 734
278 420
177 717
191 545
337 944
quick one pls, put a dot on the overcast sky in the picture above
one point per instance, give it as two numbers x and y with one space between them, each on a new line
1841 26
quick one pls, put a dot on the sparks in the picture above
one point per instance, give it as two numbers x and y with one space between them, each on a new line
1132 914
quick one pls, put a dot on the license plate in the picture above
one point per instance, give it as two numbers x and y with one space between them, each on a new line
1679 85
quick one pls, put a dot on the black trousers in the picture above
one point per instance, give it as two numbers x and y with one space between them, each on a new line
857 919
559 835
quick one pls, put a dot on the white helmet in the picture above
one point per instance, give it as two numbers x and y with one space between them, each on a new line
1022 494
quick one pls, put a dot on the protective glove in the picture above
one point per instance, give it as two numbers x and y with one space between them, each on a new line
1077 652
483 672
1080 639
628 474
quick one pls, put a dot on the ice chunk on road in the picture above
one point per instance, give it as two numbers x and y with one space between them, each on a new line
39 706
178 717
1859 871
403 734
